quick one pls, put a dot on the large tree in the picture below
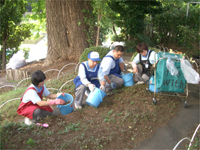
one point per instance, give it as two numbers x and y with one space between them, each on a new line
66 31
11 12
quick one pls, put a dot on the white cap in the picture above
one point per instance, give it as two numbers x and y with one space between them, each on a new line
94 56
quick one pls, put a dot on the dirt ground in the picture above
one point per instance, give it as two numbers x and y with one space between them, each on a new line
121 121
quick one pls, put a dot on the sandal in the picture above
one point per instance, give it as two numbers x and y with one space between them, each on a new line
43 125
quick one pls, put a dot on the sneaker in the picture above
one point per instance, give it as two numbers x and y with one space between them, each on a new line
28 121
87 93
139 82
77 106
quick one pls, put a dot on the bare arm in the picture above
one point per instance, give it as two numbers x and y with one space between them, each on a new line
52 96
43 103
121 65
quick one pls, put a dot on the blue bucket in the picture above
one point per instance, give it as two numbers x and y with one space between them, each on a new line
66 109
95 97
128 79
151 85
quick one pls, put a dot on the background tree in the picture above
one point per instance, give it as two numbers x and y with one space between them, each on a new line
11 13
131 15
66 30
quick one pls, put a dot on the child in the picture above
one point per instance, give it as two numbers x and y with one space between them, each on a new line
32 106
146 59
89 76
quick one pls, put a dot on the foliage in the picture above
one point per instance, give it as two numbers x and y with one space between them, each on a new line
37 16
105 15
116 38
19 34
11 31
172 26
144 39
129 45
89 20
101 50
130 14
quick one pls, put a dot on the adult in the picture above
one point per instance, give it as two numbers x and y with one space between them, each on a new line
113 67
89 76
147 59
32 106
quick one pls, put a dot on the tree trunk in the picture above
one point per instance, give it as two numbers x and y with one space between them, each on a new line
66 30
5 38
114 31
98 30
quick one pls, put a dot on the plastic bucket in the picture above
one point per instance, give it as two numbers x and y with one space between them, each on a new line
68 108
95 97
152 86
128 79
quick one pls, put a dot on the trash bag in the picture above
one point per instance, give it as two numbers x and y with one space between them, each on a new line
189 73
171 67
17 60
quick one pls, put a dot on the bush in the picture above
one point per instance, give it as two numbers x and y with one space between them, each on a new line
117 38
101 50
129 46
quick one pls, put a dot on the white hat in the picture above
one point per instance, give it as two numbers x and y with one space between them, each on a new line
94 56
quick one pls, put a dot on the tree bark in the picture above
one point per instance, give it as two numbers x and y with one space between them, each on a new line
4 41
66 31
98 29
114 31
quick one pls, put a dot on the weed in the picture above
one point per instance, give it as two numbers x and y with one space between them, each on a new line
31 142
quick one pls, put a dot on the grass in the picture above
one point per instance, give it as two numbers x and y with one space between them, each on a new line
120 122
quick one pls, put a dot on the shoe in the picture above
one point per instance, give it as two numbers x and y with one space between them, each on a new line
139 82
43 125
28 121
77 106
87 93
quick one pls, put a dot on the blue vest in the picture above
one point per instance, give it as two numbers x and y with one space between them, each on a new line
116 70
91 77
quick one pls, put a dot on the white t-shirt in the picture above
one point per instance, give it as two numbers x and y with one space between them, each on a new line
82 73
108 63
151 58
31 95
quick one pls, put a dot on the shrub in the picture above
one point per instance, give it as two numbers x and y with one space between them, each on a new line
117 38
129 46
101 50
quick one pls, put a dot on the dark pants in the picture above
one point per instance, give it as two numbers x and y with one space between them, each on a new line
40 114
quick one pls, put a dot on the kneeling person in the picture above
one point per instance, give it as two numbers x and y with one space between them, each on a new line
89 76
146 59
113 67
32 106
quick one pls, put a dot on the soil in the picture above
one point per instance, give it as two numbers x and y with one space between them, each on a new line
121 121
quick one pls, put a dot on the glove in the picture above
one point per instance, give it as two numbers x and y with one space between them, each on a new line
91 87
122 73
58 94
102 88
56 101
113 85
